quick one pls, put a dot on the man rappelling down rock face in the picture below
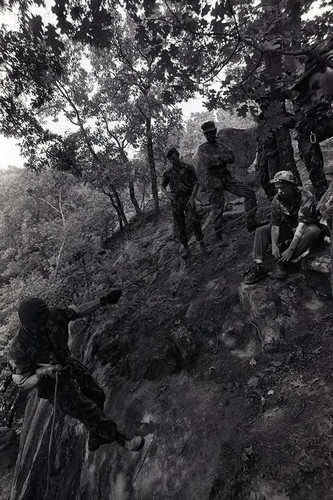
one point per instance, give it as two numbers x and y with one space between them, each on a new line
39 354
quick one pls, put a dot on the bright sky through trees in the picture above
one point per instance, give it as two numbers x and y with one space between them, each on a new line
9 147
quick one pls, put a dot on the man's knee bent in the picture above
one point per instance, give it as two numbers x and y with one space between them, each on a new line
263 231
312 232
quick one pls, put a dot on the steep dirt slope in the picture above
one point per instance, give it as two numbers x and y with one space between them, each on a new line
231 385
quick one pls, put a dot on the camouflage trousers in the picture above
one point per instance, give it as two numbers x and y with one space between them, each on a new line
312 156
239 189
80 397
263 169
271 160
263 239
183 215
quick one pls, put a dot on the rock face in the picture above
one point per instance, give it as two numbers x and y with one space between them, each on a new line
198 383
181 412
277 308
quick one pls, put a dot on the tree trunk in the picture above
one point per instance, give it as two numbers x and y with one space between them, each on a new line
133 198
151 161
286 151
273 64
293 25
113 203
143 195
120 209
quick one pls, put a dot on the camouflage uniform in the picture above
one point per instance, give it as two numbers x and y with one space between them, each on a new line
215 158
181 182
264 166
78 394
314 125
303 210
275 153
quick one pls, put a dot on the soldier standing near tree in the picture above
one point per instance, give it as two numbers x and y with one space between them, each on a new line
274 151
314 114
215 157
183 183
313 125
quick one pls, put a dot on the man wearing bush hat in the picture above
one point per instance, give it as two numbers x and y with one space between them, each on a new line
215 157
39 353
292 231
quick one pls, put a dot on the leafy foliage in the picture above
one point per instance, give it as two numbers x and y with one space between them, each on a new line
54 229
117 70
253 43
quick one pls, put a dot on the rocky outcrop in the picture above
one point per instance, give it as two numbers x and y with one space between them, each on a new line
198 382
176 415
278 307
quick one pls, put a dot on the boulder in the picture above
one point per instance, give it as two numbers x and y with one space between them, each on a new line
199 306
321 264
278 308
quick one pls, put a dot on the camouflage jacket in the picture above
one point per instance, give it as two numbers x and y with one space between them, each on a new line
214 158
28 349
303 209
308 107
180 180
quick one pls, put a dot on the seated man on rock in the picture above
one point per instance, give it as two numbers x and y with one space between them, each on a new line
40 350
292 231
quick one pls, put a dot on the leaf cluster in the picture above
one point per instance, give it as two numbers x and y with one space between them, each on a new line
54 228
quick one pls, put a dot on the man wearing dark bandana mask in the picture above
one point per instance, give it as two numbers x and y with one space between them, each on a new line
40 350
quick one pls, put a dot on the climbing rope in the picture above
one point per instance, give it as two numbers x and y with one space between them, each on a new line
51 436
179 255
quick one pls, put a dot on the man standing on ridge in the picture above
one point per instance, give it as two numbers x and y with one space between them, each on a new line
314 113
215 157
292 231
40 350
314 125
183 184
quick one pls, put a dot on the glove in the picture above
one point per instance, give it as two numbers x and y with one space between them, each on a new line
111 297
48 371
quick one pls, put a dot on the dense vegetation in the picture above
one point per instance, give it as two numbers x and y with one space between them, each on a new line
117 71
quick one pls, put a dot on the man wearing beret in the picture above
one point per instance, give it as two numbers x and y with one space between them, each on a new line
215 157
40 350
292 231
